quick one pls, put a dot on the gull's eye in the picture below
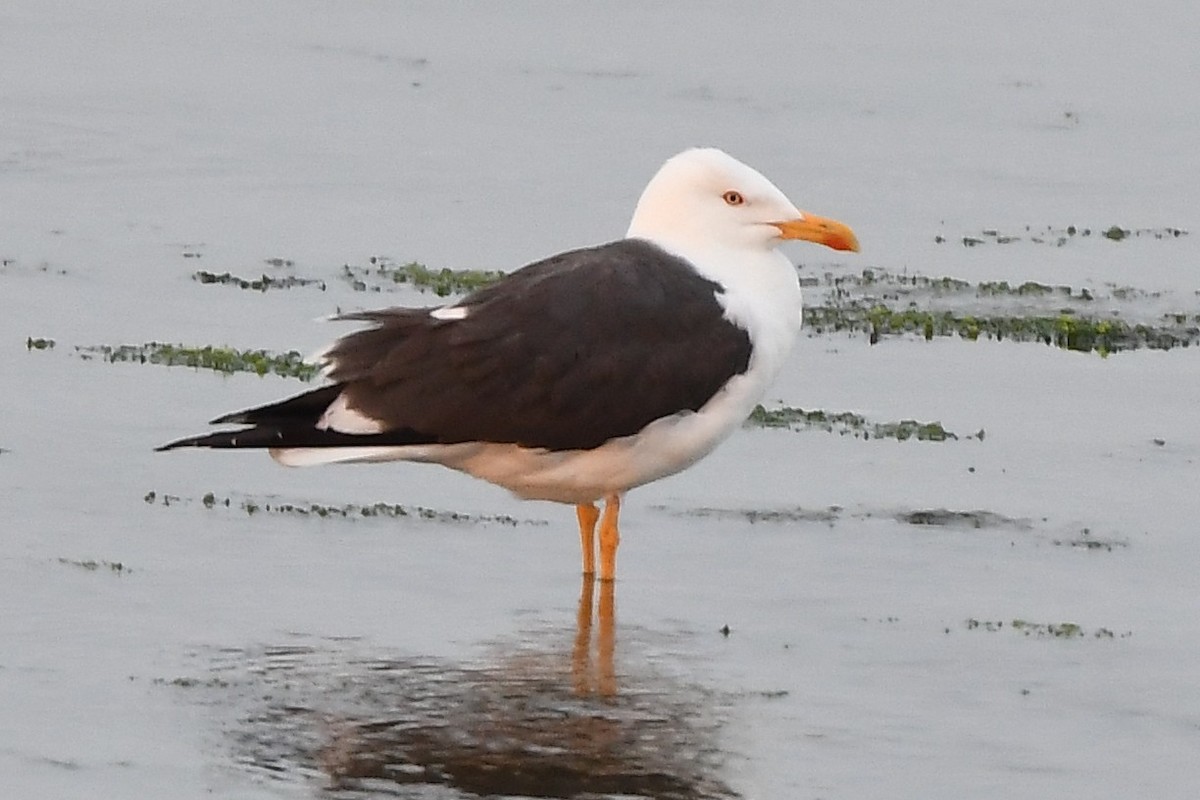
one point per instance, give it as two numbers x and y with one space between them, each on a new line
733 198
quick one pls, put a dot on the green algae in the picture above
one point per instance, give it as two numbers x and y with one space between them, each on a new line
442 282
260 284
225 360
1088 542
946 518
788 417
1028 289
848 423
1065 330
951 521
1059 630
345 511
1060 236
756 515
888 285
1043 630
91 565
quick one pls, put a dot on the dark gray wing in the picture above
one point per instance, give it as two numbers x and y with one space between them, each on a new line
566 353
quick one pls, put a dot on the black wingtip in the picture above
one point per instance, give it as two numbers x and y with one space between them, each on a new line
190 441
222 439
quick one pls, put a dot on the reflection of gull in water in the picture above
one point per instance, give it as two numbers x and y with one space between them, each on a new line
598 677
532 722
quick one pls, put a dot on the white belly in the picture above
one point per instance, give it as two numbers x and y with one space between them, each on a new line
662 448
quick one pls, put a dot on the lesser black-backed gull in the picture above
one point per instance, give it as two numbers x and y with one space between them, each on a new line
580 377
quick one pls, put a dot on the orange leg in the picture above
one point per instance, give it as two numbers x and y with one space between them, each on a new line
588 514
610 537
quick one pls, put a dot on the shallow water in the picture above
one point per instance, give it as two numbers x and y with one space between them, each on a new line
793 619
